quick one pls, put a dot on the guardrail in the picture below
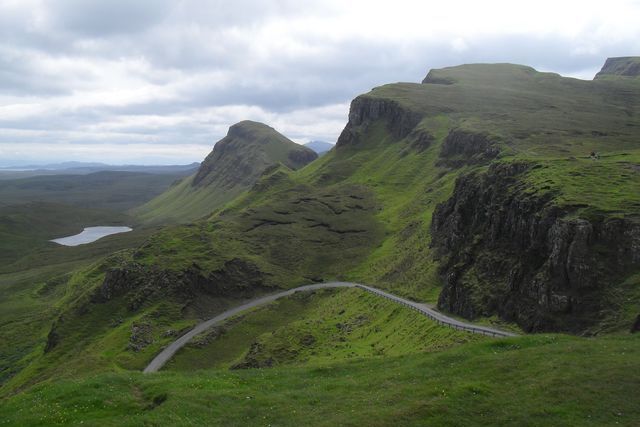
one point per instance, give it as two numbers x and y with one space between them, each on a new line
437 317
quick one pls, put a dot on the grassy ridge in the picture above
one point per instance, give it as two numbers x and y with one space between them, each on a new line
235 164
315 328
494 382
363 212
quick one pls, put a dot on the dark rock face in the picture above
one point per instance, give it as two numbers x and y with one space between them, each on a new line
636 325
241 157
420 140
400 121
508 253
302 157
466 148
432 78
254 358
141 336
627 66
138 284
52 339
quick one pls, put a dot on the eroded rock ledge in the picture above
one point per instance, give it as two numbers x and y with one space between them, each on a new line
520 256
365 110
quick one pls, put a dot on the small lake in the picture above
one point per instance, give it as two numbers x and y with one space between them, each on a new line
89 235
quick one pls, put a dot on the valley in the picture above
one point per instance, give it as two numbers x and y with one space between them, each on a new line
469 200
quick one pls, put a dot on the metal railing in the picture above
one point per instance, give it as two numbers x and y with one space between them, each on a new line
437 317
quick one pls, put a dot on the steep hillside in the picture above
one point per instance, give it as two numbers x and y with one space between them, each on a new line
474 189
628 66
234 165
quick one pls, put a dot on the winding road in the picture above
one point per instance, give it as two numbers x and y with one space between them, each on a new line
168 352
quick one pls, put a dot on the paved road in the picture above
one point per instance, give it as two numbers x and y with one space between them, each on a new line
168 352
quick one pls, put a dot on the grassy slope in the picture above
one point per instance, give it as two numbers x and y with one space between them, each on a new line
234 165
28 227
183 202
320 327
537 380
536 117
34 290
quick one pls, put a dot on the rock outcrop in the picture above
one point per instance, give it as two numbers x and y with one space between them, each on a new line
248 149
626 66
139 284
433 78
520 256
462 147
365 110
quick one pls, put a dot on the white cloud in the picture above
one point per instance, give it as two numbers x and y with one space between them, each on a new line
164 73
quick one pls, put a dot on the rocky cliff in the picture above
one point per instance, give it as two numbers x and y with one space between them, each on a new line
365 110
507 252
247 150
462 147
234 165
627 66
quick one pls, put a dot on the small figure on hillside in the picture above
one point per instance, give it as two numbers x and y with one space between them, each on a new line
594 155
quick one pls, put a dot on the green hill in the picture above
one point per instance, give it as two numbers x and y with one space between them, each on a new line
234 165
474 190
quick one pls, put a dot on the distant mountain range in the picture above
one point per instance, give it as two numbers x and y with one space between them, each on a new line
83 168
319 147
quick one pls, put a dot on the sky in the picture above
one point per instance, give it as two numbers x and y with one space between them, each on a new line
160 81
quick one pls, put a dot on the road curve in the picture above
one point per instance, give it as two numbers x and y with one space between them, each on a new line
168 352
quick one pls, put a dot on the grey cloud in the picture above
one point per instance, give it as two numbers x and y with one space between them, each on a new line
104 18
192 46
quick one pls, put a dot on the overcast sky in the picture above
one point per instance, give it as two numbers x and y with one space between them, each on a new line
160 81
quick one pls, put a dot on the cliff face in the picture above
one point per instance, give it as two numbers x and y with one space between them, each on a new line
237 278
235 164
516 255
627 66
467 148
399 120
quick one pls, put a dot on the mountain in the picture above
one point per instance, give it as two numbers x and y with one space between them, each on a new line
235 164
82 168
474 190
626 66
63 165
319 147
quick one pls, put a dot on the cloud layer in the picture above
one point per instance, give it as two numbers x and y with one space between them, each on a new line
161 80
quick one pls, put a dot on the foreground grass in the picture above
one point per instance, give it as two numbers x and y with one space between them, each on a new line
532 380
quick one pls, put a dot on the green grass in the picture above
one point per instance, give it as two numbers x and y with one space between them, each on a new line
605 187
38 287
29 227
362 212
183 202
234 166
316 328
537 380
